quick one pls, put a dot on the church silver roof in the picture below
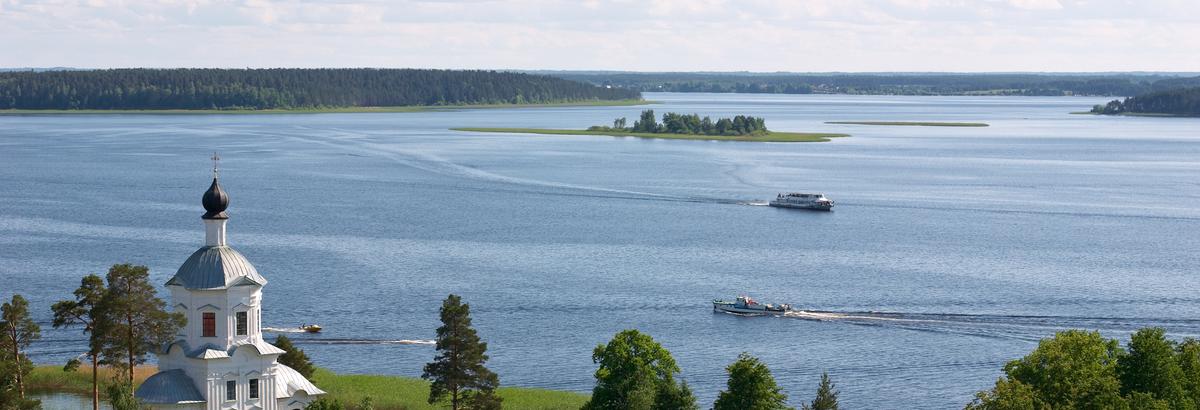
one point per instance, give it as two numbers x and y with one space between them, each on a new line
216 267
289 381
169 387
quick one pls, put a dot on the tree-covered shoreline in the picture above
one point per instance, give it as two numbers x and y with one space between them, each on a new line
286 88
1183 102
1025 84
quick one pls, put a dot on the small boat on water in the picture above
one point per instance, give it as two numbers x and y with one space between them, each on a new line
746 306
311 328
800 200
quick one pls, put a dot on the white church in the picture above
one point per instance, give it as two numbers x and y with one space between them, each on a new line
220 360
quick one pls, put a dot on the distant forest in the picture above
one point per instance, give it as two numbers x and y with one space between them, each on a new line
888 84
1180 102
286 88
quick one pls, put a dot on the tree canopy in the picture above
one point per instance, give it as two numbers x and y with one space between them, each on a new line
84 311
142 88
1078 369
458 372
17 331
637 373
693 124
135 323
294 357
1181 101
750 387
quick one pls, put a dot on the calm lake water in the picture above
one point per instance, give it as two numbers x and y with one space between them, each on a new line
950 252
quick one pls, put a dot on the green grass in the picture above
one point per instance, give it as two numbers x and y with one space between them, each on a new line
913 123
770 137
413 108
391 392
54 379
387 392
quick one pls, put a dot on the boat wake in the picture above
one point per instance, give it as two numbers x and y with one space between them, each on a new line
1021 327
282 330
322 341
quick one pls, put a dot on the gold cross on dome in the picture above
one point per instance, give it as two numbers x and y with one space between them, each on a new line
215 159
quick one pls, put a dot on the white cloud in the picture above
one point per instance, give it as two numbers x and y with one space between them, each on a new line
757 35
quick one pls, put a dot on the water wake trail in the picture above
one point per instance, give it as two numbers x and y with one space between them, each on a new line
1022 327
282 330
323 341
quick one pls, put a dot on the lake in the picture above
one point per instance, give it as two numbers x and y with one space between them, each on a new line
950 250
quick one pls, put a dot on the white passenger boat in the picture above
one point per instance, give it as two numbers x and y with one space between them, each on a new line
747 306
802 201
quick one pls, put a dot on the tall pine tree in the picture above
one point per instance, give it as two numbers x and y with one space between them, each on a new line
84 311
135 322
826 396
458 371
17 332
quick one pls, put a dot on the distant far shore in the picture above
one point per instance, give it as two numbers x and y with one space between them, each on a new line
772 136
396 109
912 123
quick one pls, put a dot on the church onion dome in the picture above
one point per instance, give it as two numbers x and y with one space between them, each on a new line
216 267
215 202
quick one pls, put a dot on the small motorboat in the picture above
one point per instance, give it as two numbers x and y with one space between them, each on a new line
744 305
311 328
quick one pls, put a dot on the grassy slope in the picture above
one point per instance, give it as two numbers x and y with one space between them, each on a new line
387 392
912 123
770 137
415 108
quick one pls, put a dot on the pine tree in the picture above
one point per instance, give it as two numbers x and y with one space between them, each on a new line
458 371
135 322
826 396
750 387
17 332
84 311
294 357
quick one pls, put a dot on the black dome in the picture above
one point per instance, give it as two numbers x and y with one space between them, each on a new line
215 202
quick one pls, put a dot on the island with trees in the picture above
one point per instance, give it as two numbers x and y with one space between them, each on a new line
682 126
1180 102
295 90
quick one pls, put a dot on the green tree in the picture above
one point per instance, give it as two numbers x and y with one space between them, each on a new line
1150 366
294 357
84 311
120 396
826 396
1073 369
636 373
325 403
18 332
135 321
1007 395
458 370
1189 363
750 387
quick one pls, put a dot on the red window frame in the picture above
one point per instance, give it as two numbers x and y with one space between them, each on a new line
209 321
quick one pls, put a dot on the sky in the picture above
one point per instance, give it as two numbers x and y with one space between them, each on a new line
633 35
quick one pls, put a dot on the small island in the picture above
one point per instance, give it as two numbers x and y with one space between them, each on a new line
912 123
682 126
1179 102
